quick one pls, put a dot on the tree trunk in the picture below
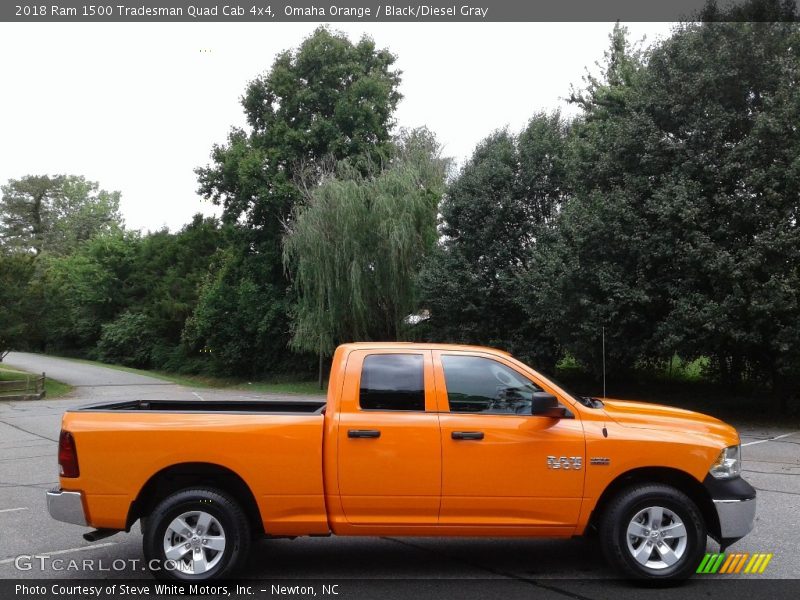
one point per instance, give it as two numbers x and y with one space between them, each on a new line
319 374
36 214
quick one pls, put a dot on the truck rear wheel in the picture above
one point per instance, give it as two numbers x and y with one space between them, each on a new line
654 533
196 535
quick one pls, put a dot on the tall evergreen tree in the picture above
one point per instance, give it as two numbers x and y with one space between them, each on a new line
491 217
682 232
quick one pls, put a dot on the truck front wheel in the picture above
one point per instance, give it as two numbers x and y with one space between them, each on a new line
653 532
196 535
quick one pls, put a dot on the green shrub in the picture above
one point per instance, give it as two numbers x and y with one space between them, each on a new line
125 341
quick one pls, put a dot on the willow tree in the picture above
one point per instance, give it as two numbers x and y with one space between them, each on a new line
355 245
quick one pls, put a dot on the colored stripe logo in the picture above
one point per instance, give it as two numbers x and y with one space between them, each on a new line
734 563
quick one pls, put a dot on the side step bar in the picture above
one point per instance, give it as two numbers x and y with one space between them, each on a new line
99 534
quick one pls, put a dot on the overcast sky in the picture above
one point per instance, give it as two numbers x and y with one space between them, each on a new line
137 107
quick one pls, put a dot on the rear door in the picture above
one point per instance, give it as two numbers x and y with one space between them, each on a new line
389 457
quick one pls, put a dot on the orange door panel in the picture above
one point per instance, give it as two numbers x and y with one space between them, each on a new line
389 460
495 468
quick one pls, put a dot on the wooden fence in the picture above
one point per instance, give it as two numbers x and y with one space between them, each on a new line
30 388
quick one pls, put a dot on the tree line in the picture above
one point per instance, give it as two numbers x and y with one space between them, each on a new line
663 213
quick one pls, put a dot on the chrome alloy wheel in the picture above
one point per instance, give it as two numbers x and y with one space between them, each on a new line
656 537
195 541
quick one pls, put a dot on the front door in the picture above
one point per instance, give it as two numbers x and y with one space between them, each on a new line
390 457
501 466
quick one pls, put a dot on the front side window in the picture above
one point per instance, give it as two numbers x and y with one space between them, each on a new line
392 382
481 385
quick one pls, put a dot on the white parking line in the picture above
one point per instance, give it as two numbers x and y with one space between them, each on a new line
199 397
6 561
777 437
2 510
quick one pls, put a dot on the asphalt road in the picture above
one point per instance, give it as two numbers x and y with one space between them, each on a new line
445 567
77 373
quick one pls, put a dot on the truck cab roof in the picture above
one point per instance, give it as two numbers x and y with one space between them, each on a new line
419 346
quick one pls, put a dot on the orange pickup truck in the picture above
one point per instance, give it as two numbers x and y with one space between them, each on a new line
413 440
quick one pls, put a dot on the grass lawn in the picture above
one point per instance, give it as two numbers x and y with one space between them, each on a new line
287 387
53 388
284 385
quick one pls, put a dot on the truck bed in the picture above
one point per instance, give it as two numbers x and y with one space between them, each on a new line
295 407
273 445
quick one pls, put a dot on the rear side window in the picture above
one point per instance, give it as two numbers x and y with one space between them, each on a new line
392 382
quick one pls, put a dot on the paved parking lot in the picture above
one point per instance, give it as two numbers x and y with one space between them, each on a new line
28 437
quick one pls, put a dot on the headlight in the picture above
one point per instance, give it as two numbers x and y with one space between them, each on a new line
728 463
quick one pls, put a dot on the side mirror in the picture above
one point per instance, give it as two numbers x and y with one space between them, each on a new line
546 405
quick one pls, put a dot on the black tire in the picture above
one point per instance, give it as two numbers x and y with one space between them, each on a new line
614 537
228 522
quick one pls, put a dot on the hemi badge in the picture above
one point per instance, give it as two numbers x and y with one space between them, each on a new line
599 460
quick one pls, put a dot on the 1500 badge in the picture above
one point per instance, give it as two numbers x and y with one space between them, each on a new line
565 462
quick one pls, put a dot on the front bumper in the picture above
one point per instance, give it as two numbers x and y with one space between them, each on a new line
736 518
66 506
735 503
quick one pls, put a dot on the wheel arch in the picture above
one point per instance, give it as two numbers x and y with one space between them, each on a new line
193 474
676 478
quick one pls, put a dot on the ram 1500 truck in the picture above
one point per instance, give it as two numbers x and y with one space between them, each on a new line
412 440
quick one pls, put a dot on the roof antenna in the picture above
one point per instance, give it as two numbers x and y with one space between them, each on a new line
604 362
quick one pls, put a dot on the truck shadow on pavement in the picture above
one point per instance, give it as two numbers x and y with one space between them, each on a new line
399 557
422 568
